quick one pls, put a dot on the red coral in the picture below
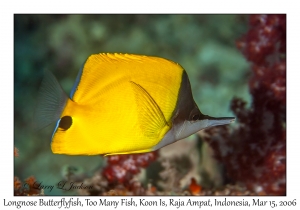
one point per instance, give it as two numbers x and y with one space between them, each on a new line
17 184
28 188
194 188
32 187
266 36
16 152
255 151
122 168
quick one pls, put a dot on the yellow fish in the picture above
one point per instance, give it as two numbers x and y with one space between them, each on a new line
121 104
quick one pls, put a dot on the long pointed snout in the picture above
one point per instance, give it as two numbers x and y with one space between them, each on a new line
189 127
214 121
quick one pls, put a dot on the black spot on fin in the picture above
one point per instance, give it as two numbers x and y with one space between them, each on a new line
152 119
50 103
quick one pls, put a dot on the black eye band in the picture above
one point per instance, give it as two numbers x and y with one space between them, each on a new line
65 122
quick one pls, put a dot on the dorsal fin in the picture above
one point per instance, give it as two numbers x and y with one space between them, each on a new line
152 119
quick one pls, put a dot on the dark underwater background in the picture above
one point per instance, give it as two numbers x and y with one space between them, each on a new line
205 45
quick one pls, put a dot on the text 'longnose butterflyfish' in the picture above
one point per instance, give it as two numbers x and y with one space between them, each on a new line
121 104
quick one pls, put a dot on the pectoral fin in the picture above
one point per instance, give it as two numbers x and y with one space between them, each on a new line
51 101
152 121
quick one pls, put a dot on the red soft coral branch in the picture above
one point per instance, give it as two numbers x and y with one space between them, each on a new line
121 168
254 152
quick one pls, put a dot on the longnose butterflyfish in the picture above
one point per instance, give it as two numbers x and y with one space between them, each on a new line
121 104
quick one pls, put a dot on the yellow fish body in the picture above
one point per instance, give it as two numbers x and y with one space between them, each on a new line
120 104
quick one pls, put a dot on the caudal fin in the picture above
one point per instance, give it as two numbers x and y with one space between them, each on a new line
50 103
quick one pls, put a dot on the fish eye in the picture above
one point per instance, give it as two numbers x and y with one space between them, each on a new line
196 117
65 122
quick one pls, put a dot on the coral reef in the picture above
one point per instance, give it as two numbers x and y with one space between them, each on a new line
102 187
121 168
27 188
254 152
168 172
176 167
118 177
